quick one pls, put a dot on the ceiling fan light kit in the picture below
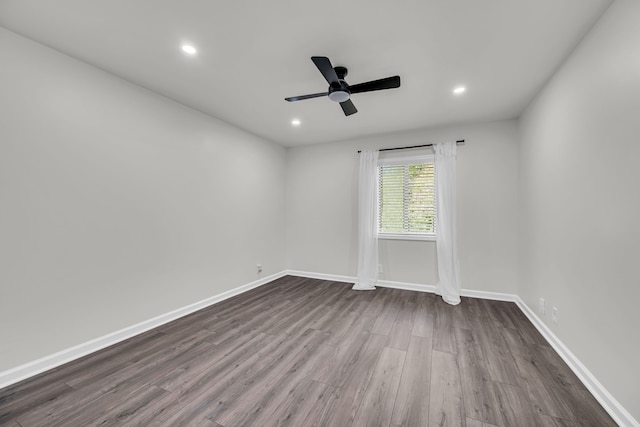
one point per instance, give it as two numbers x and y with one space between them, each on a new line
339 95
339 90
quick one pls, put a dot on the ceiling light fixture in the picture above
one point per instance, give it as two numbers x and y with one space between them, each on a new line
459 90
338 95
189 50
296 122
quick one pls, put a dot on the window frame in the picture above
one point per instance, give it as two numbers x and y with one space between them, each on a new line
406 160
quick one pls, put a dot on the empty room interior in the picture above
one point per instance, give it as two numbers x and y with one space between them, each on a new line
362 213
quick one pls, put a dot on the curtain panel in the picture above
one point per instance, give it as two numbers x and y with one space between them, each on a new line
446 240
367 221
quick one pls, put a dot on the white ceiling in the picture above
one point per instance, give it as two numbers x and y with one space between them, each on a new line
253 54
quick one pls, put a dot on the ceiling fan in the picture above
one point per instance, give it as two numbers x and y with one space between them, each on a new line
339 91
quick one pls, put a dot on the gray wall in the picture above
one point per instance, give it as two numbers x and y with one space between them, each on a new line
322 209
580 202
118 205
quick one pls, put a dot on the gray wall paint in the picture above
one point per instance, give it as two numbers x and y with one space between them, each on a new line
118 205
322 209
580 203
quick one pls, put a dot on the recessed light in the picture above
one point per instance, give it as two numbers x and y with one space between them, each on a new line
459 90
296 122
189 50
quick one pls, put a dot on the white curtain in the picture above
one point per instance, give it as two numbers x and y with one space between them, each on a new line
447 249
367 221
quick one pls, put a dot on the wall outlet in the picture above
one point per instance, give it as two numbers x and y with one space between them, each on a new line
258 268
380 269
554 315
541 306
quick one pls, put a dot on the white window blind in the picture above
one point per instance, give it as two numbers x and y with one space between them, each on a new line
407 197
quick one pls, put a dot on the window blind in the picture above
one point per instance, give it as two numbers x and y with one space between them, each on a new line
407 199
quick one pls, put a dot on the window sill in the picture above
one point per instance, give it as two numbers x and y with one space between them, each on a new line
407 236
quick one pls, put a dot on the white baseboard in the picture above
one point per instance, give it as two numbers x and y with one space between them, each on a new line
351 279
320 276
608 402
404 285
46 363
496 296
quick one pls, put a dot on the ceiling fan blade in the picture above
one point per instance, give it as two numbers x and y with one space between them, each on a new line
386 83
325 67
301 97
348 107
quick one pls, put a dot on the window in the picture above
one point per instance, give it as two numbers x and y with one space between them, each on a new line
407 198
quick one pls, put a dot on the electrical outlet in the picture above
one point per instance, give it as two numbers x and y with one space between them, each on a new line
258 268
380 269
541 306
554 315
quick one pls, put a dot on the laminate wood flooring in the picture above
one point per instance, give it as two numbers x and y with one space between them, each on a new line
306 352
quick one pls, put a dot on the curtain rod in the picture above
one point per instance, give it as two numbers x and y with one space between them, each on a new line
458 142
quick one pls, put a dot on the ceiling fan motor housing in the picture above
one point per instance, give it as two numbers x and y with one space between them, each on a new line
339 94
339 91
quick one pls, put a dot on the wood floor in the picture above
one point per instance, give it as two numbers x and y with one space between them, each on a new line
304 352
